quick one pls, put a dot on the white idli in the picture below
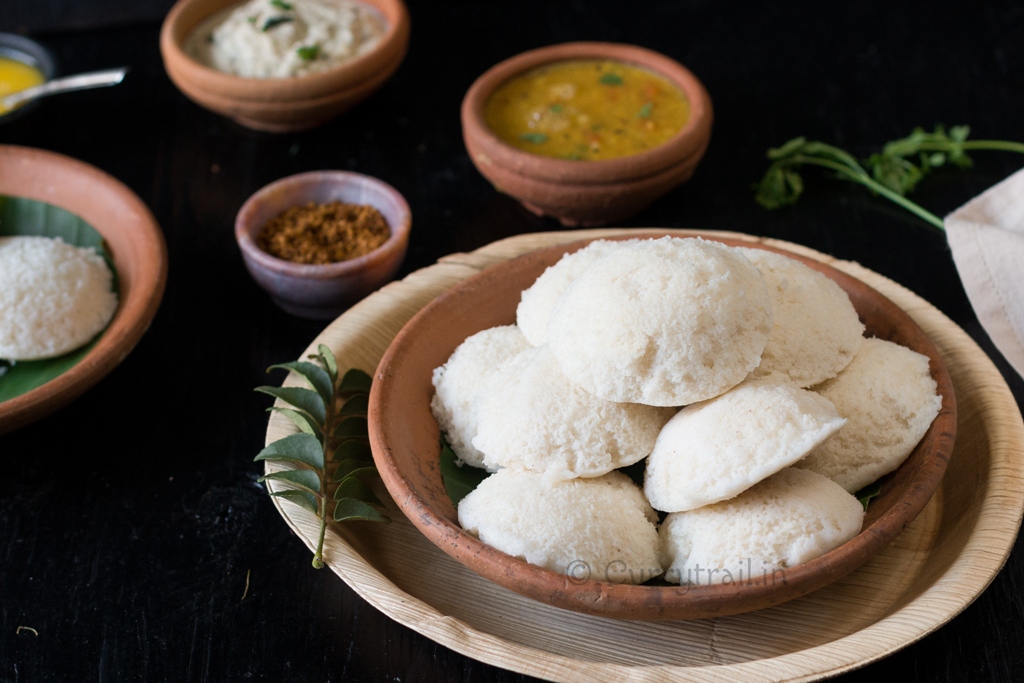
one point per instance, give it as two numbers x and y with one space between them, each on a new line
457 385
662 322
889 398
601 528
530 416
714 450
539 300
786 520
815 329
54 297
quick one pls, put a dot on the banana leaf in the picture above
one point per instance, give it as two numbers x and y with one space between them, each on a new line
21 216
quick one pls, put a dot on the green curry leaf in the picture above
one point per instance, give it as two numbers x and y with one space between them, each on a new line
319 413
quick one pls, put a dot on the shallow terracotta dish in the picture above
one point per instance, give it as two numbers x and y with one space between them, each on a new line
322 291
404 437
135 242
280 104
587 192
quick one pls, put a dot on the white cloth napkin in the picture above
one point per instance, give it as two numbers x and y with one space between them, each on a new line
986 236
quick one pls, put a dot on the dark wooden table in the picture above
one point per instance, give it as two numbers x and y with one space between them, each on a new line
130 519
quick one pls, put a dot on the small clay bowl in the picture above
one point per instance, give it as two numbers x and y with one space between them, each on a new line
28 52
405 440
280 105
587 192
135 243
322 292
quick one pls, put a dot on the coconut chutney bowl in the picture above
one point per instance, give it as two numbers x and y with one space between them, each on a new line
587 192
404 437
322 292
281 105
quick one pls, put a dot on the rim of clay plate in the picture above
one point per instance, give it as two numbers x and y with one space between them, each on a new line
126 223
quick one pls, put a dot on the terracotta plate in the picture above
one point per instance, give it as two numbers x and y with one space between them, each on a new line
404 437
135 242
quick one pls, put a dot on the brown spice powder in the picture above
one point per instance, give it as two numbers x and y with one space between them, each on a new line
324 233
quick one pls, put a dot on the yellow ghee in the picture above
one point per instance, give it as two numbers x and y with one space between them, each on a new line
587 110
16 76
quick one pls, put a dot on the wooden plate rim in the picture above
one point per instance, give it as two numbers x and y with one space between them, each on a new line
982 553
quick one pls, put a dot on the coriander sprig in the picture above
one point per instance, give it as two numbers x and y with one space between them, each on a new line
894 171
782 185
333 434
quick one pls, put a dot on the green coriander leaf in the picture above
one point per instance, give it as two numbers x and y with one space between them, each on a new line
354 468
820 149
896 173
251 20
302 448
646 110
281 4
357 405
355 381
535 138
314 374
303 399
302 498
308 52
350 509
610 79
352 487
787 150
867 493
779 187
555 109
301 420
307 479
353 449
275 21
352 428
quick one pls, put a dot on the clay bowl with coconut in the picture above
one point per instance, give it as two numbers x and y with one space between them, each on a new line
281 104
579 191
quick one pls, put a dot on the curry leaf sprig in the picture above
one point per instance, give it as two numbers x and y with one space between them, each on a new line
333 435
894 171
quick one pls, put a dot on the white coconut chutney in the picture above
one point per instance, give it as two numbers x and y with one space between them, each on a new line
281 39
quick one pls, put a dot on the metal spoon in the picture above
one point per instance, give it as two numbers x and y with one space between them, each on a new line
93 79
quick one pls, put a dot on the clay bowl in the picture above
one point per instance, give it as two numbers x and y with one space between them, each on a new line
322 291
280 104
404 437
140 257
586 192
28 52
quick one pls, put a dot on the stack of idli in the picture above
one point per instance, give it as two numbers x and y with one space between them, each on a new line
54 297
741 375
